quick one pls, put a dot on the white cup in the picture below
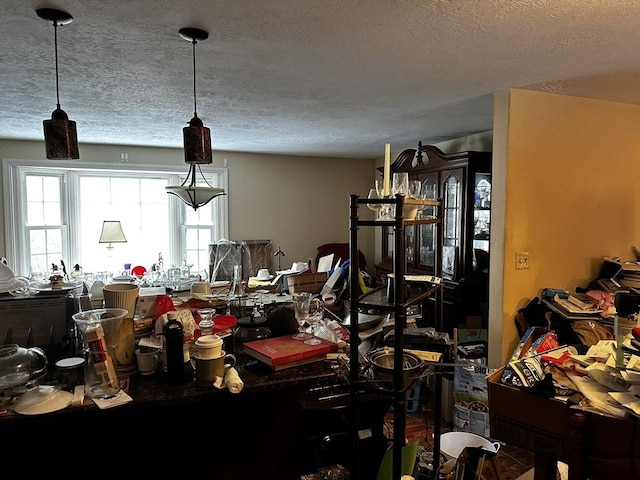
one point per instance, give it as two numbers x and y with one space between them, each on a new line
147 361
263 274
207 346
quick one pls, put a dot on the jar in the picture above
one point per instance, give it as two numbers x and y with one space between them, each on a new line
18 365
70 372
249 329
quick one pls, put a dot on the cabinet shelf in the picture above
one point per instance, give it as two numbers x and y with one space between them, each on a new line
378 299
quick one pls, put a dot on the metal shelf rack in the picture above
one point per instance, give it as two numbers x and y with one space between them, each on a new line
378 299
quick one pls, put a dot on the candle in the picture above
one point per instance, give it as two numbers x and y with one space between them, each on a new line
387 170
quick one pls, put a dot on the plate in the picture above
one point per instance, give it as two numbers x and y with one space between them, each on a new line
46 287
45 399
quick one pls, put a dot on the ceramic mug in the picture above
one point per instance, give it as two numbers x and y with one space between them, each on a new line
147 361
207 346
207 369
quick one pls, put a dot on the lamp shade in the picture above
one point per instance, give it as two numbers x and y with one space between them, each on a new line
197 143
112 232
60 137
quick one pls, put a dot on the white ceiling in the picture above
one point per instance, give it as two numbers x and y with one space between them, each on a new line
307 77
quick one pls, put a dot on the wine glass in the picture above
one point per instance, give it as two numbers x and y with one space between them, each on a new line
385 211
316 314
301 303
376 207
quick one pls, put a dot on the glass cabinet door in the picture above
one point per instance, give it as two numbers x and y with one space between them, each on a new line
481 222
451 224
427 241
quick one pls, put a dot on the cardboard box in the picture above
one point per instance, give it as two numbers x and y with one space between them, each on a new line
530 421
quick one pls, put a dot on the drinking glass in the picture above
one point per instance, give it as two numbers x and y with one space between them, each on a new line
414 189
374 206
316 314
400 183
301 303
385 211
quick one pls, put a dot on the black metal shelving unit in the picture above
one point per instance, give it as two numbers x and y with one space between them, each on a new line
378 299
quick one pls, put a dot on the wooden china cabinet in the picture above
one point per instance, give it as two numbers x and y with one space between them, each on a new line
462 181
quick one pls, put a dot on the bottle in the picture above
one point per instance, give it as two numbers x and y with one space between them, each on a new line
173 335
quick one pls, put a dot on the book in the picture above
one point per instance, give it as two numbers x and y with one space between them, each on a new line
285 352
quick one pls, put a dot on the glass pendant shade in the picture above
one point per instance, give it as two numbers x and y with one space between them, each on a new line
193 195
60 136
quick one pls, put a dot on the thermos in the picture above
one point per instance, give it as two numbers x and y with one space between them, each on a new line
173 335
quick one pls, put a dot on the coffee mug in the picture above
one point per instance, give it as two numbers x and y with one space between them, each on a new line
207 369
147 361
207 346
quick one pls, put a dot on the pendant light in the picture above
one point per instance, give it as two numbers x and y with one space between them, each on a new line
60 137
197 143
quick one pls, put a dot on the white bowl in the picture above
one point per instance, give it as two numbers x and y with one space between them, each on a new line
452 443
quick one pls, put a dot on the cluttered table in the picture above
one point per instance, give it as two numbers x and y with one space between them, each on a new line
195 431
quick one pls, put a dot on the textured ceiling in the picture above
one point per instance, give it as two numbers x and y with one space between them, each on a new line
307 77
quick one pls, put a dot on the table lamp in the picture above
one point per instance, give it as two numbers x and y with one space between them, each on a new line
112 233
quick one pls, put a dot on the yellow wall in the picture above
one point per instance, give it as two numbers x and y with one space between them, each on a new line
298 203
567 190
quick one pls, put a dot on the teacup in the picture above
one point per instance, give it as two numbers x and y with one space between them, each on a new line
207 346
147 360
263 274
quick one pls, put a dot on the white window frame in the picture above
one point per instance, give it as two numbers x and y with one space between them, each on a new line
14 171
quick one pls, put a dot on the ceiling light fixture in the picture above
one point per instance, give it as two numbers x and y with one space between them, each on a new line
60 137
197 143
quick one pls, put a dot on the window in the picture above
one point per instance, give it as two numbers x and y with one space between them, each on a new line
66 203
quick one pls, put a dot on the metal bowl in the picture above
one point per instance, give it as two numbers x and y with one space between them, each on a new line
382 367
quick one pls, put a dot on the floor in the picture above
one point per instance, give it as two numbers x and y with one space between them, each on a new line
513 463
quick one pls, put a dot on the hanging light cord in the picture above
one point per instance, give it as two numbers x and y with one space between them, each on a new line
55 42
195 110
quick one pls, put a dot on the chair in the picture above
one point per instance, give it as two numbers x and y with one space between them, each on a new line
340 252
409 454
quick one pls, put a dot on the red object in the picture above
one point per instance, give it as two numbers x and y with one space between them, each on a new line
164 304
138 271
636 333
283 352
224 322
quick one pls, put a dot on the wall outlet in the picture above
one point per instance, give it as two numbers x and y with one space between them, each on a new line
522 260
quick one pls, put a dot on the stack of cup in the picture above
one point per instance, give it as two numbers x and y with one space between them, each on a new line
124 295
209 359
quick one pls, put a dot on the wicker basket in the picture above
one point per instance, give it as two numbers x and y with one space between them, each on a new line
307 282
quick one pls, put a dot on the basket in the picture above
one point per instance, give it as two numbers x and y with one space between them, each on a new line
307 282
